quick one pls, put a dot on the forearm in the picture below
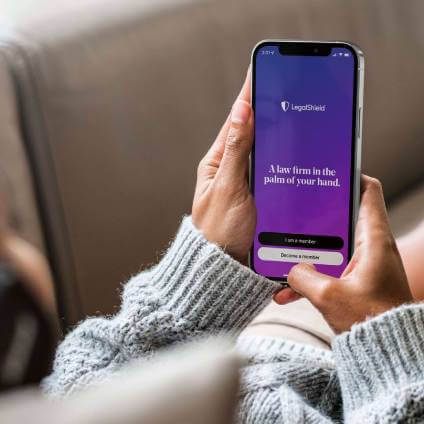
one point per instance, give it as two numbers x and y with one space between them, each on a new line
196 289
381 367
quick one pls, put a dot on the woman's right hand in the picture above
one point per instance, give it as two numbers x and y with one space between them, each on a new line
374 280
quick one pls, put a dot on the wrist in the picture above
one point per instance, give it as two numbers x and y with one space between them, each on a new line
380 355
218 234
203 284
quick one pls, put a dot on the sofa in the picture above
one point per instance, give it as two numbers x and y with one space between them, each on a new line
106 108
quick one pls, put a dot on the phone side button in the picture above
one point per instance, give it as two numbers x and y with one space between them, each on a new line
359 120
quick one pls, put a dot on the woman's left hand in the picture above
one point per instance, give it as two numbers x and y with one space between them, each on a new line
223 207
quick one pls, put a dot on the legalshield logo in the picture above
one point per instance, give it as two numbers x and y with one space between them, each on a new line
285 105
308 107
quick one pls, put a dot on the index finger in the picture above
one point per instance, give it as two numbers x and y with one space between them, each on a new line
245 92
217 147
372 205
372 218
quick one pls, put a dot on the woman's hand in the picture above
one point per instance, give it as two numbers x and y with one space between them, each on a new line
374 280
223 207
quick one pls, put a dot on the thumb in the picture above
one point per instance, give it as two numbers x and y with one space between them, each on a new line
238 142
308 282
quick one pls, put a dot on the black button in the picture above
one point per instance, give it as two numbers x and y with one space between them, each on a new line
301 240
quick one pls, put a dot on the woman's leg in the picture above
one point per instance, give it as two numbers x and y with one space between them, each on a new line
298 322
411 248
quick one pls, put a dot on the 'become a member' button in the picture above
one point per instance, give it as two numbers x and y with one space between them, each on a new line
297 255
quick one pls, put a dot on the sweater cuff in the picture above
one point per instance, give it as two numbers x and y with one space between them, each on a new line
203 284
381 355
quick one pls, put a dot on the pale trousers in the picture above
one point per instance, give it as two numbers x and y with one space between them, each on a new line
298 321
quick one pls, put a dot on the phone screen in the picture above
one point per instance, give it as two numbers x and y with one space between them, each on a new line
303 159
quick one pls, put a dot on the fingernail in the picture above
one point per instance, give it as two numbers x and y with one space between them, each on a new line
241 112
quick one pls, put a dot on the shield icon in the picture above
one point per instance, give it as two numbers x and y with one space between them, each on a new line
285 105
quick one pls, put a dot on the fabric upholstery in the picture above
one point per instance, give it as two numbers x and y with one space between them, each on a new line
186 385
407 212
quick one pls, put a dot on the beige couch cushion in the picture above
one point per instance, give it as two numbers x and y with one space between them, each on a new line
197 384
16 187
408 211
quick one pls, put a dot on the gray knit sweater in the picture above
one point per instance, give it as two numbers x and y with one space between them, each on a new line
374 373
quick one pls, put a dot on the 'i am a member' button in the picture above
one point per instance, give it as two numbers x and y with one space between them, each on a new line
298 255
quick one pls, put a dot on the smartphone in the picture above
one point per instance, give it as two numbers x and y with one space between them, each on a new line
307 98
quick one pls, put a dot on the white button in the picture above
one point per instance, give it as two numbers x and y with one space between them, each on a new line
297 255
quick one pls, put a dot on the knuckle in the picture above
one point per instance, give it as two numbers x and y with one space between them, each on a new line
294 274
297 269
236 141
233 141
324 292
388 243
375 184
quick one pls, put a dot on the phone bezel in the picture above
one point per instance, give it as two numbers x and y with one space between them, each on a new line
357 111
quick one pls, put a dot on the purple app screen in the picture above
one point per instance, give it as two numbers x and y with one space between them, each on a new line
302 160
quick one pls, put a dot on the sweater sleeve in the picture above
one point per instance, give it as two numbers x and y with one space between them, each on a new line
196 289
381 367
